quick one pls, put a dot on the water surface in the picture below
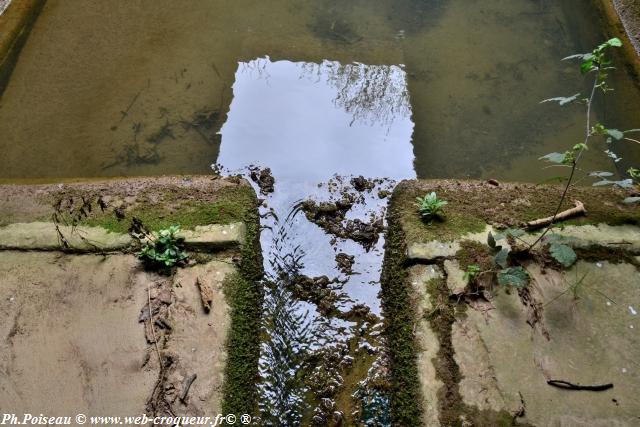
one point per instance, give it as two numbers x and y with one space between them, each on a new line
143 88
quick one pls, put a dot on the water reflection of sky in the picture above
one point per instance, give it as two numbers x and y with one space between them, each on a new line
4 4
308 121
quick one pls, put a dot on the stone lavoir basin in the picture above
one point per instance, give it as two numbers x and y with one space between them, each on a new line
314 294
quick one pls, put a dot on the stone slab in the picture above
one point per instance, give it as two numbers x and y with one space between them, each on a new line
211 237
455 276
592 340
44 236
198 340
72 323
70 341
622 236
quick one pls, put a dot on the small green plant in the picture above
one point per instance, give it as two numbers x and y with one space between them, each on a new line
471 273
430 206
163 250
599 65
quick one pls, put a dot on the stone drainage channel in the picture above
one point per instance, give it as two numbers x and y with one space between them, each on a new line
323 358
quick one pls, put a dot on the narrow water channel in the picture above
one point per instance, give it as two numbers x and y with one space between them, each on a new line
323 357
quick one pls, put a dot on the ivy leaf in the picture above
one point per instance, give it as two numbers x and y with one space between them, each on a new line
501 258
563 254
554 157
615 134
614 42
577 56
513 276
613 156
625 183
631 200
587 66
562 100
491 241
600 174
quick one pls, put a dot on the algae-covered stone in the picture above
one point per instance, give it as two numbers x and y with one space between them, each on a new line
45 236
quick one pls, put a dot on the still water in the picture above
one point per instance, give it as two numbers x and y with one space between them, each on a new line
143 88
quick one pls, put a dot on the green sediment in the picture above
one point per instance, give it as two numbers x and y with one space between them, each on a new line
229 205
473 204
399 314
244 295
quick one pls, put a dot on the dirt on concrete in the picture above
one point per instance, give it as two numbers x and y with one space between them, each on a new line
77 336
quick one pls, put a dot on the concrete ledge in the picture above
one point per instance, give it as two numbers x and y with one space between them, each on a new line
43 236
626 237
15 24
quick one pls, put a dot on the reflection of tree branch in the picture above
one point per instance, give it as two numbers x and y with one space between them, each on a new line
371 93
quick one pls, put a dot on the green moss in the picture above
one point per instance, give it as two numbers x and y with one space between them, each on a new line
474 253
451 407
453 224
244 295
400 320
472 204
229 205
601 253
399 325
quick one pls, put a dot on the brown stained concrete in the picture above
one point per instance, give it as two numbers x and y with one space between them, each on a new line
32 201
72 341
76 335
506 364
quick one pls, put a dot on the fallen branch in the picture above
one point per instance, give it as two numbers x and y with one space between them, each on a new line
186 386
570 386
153 331
206 294
575 211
